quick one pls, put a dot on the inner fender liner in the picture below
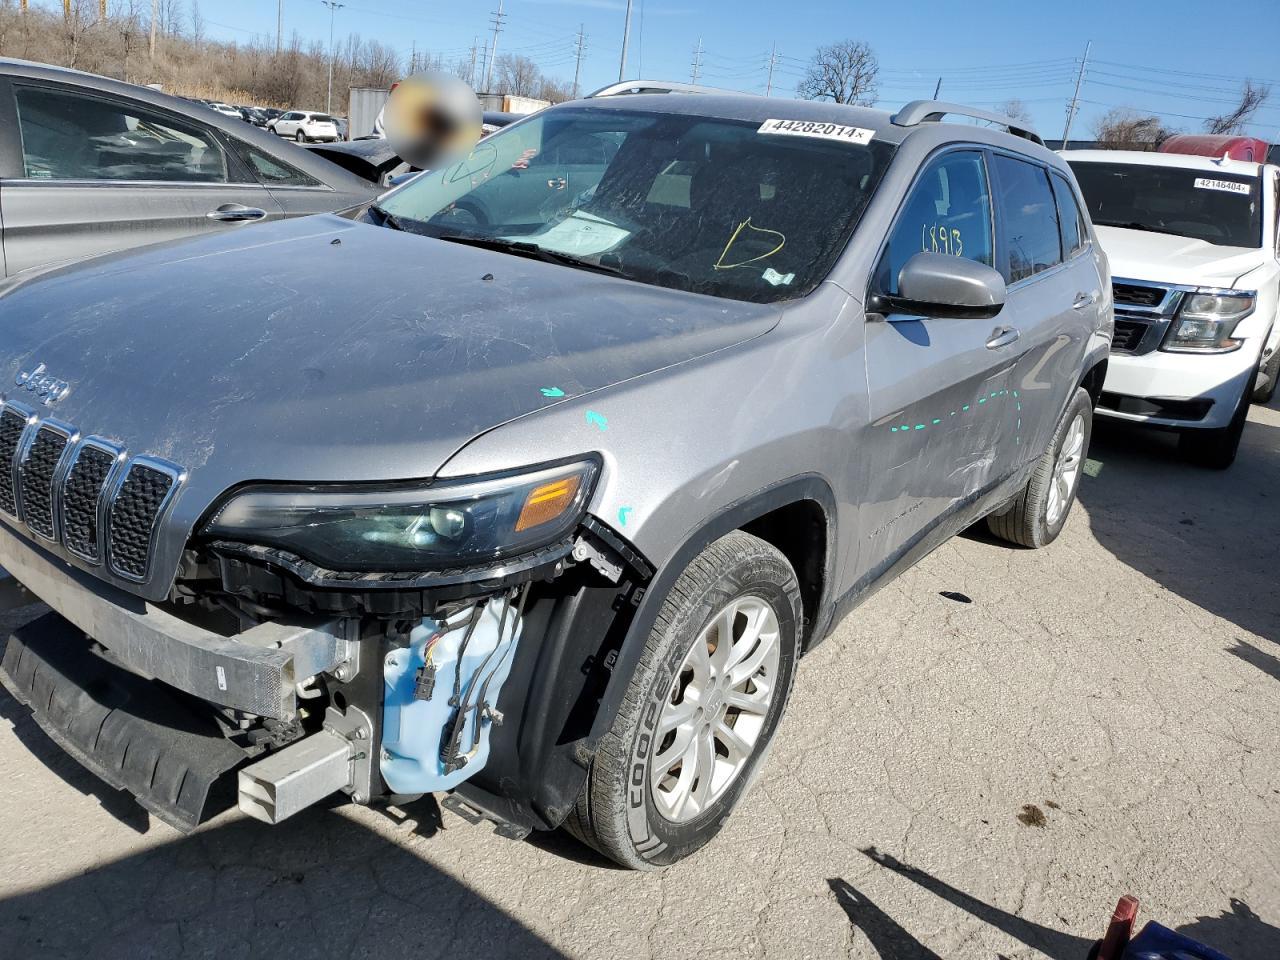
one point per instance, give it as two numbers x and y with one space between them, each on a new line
134 733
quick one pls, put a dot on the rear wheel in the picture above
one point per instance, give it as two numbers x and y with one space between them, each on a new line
699 712
1038 514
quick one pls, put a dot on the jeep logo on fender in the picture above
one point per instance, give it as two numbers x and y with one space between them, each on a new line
48 388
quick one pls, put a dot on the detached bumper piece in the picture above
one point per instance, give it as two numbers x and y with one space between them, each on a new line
135 734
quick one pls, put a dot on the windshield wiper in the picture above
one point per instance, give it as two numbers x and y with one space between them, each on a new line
389 219
522 248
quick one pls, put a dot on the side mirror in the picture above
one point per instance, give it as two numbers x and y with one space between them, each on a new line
940 285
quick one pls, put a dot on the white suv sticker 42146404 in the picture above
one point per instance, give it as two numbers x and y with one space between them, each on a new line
1229 186
817 128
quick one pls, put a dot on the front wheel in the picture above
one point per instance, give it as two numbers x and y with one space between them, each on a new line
1038 514
1264 387
300 137
699 712
1216 449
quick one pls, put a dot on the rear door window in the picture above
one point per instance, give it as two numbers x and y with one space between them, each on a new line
70 136
948 211
1031 237
1074 234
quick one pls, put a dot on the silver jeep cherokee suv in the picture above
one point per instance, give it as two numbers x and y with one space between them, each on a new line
531 483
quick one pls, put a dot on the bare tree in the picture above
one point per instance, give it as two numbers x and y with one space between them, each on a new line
1252 98
517 76
844 72
197 23
1015 109
1122 128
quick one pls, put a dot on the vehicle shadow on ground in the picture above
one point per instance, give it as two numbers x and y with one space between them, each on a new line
1238 932
1210 536
317 885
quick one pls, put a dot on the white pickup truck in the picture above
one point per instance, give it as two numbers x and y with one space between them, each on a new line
1194 249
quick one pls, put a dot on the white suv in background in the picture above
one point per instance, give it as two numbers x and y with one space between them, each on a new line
1193 247
305 126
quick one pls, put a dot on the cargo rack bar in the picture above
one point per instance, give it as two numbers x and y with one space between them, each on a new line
625 87
932 111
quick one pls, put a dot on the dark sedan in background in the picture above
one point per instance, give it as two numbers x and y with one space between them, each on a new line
90 165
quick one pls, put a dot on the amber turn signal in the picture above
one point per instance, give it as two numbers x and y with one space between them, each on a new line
547 502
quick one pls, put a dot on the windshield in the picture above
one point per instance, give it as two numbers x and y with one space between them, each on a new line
1219 208
694 203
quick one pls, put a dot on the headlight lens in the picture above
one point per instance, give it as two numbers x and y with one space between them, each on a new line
401 527
1206 322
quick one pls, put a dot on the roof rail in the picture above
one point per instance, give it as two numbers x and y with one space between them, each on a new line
624 87
922 111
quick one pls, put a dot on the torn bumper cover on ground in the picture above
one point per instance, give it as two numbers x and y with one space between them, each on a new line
134 733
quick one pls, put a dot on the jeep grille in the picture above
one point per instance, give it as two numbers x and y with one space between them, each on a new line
83 493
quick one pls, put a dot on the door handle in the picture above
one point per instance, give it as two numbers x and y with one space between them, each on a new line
1083 300
1002 337
236 213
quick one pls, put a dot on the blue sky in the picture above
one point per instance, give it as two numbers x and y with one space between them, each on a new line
1180 58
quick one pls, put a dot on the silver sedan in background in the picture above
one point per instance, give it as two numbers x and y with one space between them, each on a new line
90 165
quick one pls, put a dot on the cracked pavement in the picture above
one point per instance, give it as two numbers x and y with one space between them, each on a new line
952 779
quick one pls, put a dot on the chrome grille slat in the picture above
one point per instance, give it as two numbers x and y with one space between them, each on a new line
36 473
12 423
135 509
81 499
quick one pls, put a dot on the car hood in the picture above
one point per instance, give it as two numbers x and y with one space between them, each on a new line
1165 258
323 349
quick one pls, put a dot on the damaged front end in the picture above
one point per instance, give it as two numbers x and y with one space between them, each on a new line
271 681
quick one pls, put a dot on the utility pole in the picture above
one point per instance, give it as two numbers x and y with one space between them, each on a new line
279 23
937 88
155 13
493 52
773 60
697 63
581 44
626 38
102 11
1075 97
334 7
471 74
413 57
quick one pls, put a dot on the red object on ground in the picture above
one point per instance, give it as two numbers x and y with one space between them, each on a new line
1120 929
1217 145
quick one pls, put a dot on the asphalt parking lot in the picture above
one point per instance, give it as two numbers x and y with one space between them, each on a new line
954 779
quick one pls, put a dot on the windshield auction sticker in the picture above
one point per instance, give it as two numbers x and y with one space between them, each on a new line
1228 186
812 128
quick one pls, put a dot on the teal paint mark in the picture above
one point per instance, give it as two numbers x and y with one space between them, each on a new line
965 407
893 429
552 392
937 421
598 420
1015 393
982 399
623 513
953 413
1019 423
995 394
919 426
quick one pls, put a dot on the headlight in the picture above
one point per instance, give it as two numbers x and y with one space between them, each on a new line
1206 322
402 527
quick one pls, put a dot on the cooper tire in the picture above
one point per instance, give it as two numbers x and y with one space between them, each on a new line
621 811
1032 520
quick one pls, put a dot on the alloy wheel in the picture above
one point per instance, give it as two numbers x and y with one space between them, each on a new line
715 711
1066 471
